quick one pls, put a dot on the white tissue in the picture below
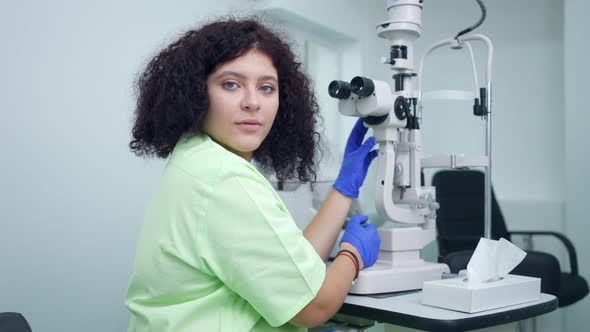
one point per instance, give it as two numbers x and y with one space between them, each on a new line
493 260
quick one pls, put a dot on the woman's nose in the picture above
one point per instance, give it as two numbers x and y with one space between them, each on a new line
250 100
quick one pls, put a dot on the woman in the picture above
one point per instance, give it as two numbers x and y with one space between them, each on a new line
219 251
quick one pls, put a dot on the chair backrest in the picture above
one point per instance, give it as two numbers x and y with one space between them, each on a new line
460 218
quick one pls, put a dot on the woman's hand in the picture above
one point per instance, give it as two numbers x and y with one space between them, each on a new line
361 240
357 158
364 238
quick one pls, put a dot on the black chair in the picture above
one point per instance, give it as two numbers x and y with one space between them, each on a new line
13 322
460 225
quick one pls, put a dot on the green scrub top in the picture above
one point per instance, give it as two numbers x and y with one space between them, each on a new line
218 250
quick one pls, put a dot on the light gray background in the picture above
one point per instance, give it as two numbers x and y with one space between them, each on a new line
73 196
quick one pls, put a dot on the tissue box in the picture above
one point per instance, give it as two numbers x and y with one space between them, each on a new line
458 294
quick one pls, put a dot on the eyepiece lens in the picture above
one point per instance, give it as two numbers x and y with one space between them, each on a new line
362 86
339 89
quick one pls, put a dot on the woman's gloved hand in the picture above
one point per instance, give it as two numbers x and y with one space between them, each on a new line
364 238
357 158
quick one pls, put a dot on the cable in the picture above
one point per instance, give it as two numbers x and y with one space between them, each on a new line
481 19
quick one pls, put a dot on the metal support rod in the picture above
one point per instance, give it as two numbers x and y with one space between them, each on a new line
488 169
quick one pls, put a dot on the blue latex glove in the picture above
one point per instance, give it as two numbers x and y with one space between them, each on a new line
357 158
364 238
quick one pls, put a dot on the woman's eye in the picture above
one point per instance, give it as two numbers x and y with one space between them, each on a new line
230 85
266 88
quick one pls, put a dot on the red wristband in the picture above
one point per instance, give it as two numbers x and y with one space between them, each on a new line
352 259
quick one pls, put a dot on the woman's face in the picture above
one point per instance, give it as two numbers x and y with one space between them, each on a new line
243 102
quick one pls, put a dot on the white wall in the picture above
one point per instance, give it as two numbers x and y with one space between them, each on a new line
577 136
73 196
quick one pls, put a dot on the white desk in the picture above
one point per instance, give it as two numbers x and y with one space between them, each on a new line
406 310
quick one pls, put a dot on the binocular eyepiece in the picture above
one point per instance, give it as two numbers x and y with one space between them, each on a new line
339 89
360 86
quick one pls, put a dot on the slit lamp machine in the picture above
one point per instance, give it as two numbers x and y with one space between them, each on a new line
395 115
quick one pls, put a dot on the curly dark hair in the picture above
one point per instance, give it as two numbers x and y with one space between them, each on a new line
172 96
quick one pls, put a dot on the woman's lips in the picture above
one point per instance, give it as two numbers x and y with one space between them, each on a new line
249 126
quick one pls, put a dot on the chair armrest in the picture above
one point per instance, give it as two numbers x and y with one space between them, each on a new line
566 242
457 260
